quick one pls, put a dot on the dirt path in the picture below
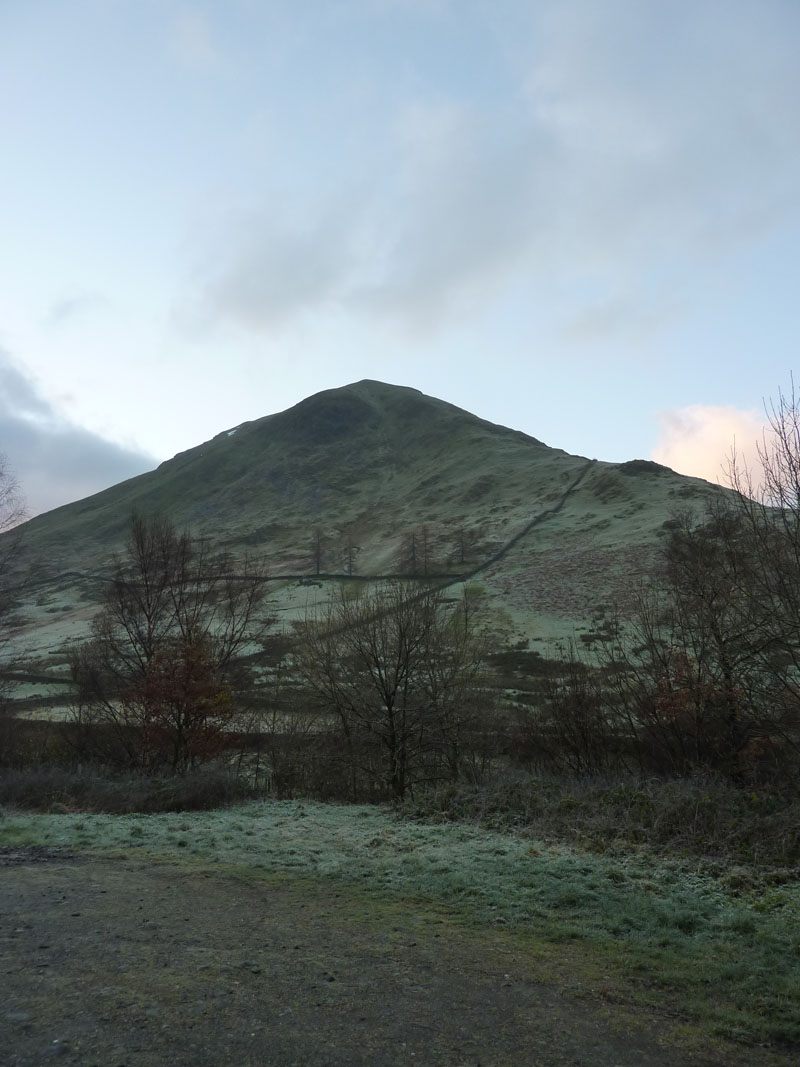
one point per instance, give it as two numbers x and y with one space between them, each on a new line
118 963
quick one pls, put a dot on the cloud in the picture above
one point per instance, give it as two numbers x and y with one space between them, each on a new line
630 140
20 400
434 241
54 460
273 270
618 317
74 307
468 209
193 42
671 123
699 439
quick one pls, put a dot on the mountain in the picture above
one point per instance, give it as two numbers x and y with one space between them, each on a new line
378 480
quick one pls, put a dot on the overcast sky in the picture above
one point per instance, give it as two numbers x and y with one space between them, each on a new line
578 218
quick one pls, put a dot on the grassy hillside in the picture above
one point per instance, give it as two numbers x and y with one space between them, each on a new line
380 480
364 462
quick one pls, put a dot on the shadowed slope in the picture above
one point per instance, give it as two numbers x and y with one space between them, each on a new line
363 462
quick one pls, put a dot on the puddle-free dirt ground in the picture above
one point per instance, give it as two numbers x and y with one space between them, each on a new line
117 962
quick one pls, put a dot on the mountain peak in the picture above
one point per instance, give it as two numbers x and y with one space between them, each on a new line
361 410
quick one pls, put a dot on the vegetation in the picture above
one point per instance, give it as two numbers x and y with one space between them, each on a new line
53 787
155 685
343 483
12 512
701 816
653 759
706 676
687 937
383 691
400 673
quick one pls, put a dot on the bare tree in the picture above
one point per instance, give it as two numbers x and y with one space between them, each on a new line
467 542
707 674
12 503
12 513
699 678
462 547
569 728
350 552
350 545
462 714
425 550
769 508
416 555
318 550
157 681
409 554
399 671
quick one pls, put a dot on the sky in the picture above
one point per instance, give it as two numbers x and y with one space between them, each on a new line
580 219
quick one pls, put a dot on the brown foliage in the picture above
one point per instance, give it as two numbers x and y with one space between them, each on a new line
156 683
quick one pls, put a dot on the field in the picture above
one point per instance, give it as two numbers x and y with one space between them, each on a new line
288 932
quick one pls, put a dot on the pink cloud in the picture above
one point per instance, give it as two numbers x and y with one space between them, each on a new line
699 440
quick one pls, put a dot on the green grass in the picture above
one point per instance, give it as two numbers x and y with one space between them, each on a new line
672 933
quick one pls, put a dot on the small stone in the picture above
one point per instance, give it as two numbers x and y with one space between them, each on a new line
18 1017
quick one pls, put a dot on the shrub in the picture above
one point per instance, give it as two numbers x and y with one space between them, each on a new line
701 816
48 788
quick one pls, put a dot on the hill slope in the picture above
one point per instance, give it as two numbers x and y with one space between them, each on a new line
377 480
